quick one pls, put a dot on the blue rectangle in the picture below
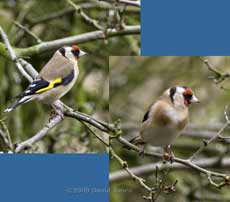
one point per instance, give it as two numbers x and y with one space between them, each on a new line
180 27
54 177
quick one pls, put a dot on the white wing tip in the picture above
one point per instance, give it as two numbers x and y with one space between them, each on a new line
8 110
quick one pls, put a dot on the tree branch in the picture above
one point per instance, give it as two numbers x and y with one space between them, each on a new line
206 143
218 77
148 169
39 135
38 40
78 39
84 16
13 56
89 5
187 163
127 2
153 192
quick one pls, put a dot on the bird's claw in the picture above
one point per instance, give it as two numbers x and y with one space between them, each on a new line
57 110
141 153
168 154
168 157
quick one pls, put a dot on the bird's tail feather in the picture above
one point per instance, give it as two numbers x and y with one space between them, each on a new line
18 103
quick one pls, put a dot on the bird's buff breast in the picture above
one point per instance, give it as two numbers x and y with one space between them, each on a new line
162 130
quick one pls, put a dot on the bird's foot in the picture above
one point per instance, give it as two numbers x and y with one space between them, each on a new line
168 154
142 151
54 113
57 110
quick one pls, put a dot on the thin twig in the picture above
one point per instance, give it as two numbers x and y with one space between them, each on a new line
148 169
78 39
39 135
38 40
13 55
218 77
7 141
206 143
185 162
95 134
127 2
130 3
67 11
153 191
85 16
124 165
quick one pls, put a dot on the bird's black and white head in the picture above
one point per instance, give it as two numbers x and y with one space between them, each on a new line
72 53
182 96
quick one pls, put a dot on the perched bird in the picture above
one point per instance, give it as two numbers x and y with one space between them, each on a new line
166 118
56 78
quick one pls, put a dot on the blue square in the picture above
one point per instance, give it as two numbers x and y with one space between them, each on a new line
181 27
54 177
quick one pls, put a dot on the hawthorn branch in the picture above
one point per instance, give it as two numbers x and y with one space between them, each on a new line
78 39
89 5
25 29
153 192
39 135
127 2
184 162
12 55
130 3
95 134
85 16
218 76
206 143
148 169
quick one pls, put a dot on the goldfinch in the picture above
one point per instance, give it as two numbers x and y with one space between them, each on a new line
55 79
166 118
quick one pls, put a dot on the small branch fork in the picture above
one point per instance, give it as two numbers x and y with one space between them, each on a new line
13 55
38 40
218 135
218 77
84 16
153 192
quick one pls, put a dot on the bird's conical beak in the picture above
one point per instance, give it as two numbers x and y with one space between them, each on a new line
194 99
82 53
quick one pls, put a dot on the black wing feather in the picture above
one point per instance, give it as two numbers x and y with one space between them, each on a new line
33 87
146 116
42 83
67 79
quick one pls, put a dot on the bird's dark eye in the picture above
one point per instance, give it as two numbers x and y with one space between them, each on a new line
76 52
62 51
187 96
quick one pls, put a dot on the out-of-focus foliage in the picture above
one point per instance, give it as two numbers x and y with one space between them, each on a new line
135 82
91 92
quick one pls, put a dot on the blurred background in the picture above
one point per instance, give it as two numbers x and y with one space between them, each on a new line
51 20
135 82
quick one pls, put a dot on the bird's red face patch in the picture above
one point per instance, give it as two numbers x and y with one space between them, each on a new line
188 93
76 51
75 47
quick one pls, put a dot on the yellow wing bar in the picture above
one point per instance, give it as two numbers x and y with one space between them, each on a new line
51 85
